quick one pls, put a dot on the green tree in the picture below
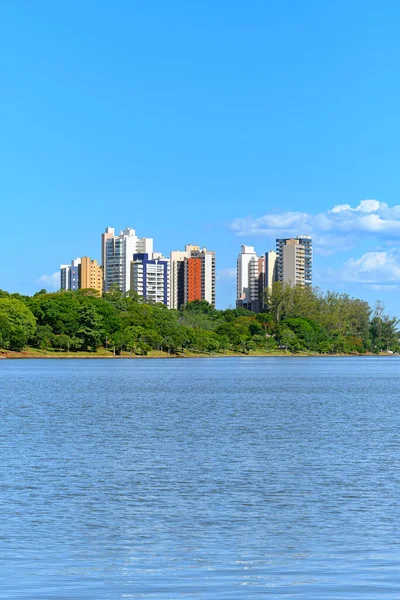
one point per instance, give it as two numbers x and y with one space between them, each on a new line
117 342
62 341
43 337
17 323
152 338
18 338
89 327
288 339
5 331
390 333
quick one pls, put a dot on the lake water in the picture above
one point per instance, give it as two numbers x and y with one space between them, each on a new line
200 479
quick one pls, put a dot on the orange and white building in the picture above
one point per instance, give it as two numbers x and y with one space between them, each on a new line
192 276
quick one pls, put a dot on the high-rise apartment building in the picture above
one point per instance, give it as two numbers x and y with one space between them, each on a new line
261 281
207 262
91 275
192 276
294 260
108 234
82 273
177 297
150 277
270 269
117 253
70 275
250 279
193 279
294 263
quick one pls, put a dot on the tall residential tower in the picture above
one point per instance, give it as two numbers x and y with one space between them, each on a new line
117 253
294 260
82 273
250 279
91 275
270 269
150 277
70 275
192 276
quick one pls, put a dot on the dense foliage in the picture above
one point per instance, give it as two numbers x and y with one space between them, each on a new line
295 320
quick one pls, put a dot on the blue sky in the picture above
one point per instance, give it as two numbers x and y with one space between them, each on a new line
218 123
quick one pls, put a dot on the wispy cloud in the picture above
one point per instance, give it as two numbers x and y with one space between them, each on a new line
51 282
227 274
373 268
376 270
337 225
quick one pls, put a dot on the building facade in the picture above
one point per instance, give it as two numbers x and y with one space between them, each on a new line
193 289
250 279
70 275
192 276
270 269
91 275
207 261
203 261
82 273
150 277
108 234
177 262
117 253
294 260
261 282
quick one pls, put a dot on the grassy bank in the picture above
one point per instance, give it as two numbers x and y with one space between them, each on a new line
103 353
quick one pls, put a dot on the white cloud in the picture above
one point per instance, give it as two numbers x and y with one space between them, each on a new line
271 223
369 206
51 282
340 208
229 273
373 268
369 218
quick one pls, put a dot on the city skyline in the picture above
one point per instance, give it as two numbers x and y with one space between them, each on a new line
224 276
146 245
249 138
130 263
290 264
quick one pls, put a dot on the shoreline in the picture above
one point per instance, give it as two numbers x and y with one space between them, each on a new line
12 355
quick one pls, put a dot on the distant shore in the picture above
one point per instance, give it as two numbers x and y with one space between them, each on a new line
102 353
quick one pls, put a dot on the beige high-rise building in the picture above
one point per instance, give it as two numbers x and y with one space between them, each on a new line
270 269
91 275
294 262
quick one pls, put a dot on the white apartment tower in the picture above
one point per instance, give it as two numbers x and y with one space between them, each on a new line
150 277
250 277
69 275
117 254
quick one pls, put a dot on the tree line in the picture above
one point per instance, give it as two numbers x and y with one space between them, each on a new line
295 320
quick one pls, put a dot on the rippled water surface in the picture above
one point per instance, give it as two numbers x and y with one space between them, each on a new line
200 479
